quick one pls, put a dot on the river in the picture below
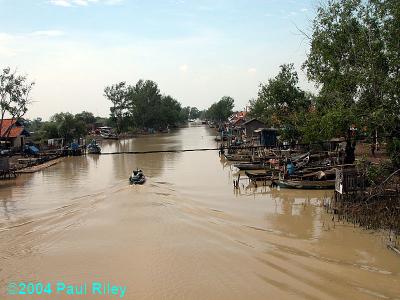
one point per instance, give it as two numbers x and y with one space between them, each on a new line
185 234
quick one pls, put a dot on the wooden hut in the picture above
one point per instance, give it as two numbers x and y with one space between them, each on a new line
267 136
252 125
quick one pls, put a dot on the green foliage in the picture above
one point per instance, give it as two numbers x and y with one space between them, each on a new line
48 130
354 59
220 111
68 126
184 115
393 149
86 117
143 106
63 125
281 103
14 96
194 113
376 174
117 94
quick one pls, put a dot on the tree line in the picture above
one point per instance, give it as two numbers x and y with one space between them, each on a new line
142 106
135 107
63 125
219 111
354 61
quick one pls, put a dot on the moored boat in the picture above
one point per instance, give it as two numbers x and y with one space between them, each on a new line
260 175
93 148
239 157
251 166
109 136
307 184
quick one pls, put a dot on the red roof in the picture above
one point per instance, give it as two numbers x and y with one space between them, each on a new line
16 130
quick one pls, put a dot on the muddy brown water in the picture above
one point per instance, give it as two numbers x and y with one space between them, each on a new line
185 234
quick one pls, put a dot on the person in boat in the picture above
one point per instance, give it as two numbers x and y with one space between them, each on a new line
290 168
221 150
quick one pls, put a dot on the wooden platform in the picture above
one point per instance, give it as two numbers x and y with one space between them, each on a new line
40 167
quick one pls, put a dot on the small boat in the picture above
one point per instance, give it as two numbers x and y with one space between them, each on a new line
251 166
307 184
137 177
239 157
260 175
94 148
109 136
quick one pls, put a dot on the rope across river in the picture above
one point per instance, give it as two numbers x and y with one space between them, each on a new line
161 151
181 150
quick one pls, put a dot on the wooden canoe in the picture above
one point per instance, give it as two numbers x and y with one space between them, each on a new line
251 166
307 184
260 176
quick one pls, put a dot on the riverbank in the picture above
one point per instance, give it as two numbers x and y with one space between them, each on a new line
40 167
186 233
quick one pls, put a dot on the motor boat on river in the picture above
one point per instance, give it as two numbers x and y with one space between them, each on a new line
137 177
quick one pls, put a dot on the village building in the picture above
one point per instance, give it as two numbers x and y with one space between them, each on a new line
267 137
12 134
236 122
251 125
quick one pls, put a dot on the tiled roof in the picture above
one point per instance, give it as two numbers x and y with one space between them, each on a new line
16 128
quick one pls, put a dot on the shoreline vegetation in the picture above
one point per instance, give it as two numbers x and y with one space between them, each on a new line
353 61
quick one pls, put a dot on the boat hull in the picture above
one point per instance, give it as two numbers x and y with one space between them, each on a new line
137 181
245 166
264 176
307 185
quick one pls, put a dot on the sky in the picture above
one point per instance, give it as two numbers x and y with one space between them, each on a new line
196 51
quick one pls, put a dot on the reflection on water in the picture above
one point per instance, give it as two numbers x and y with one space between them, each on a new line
186 217
201 176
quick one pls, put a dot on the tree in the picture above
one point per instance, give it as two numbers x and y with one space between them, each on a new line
117 94
194 113
144 103
281 103
86 117
49 130
14 97
354 59
68 127
170 112
185 113
143 106
220 111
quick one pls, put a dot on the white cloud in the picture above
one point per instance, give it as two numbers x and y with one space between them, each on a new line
183 68
251 70
47 33
80 2
113 2
304 9
76 3
64 3
5 37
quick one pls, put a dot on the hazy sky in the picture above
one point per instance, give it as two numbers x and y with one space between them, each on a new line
197 51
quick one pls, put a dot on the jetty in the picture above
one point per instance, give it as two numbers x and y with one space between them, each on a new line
39 167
